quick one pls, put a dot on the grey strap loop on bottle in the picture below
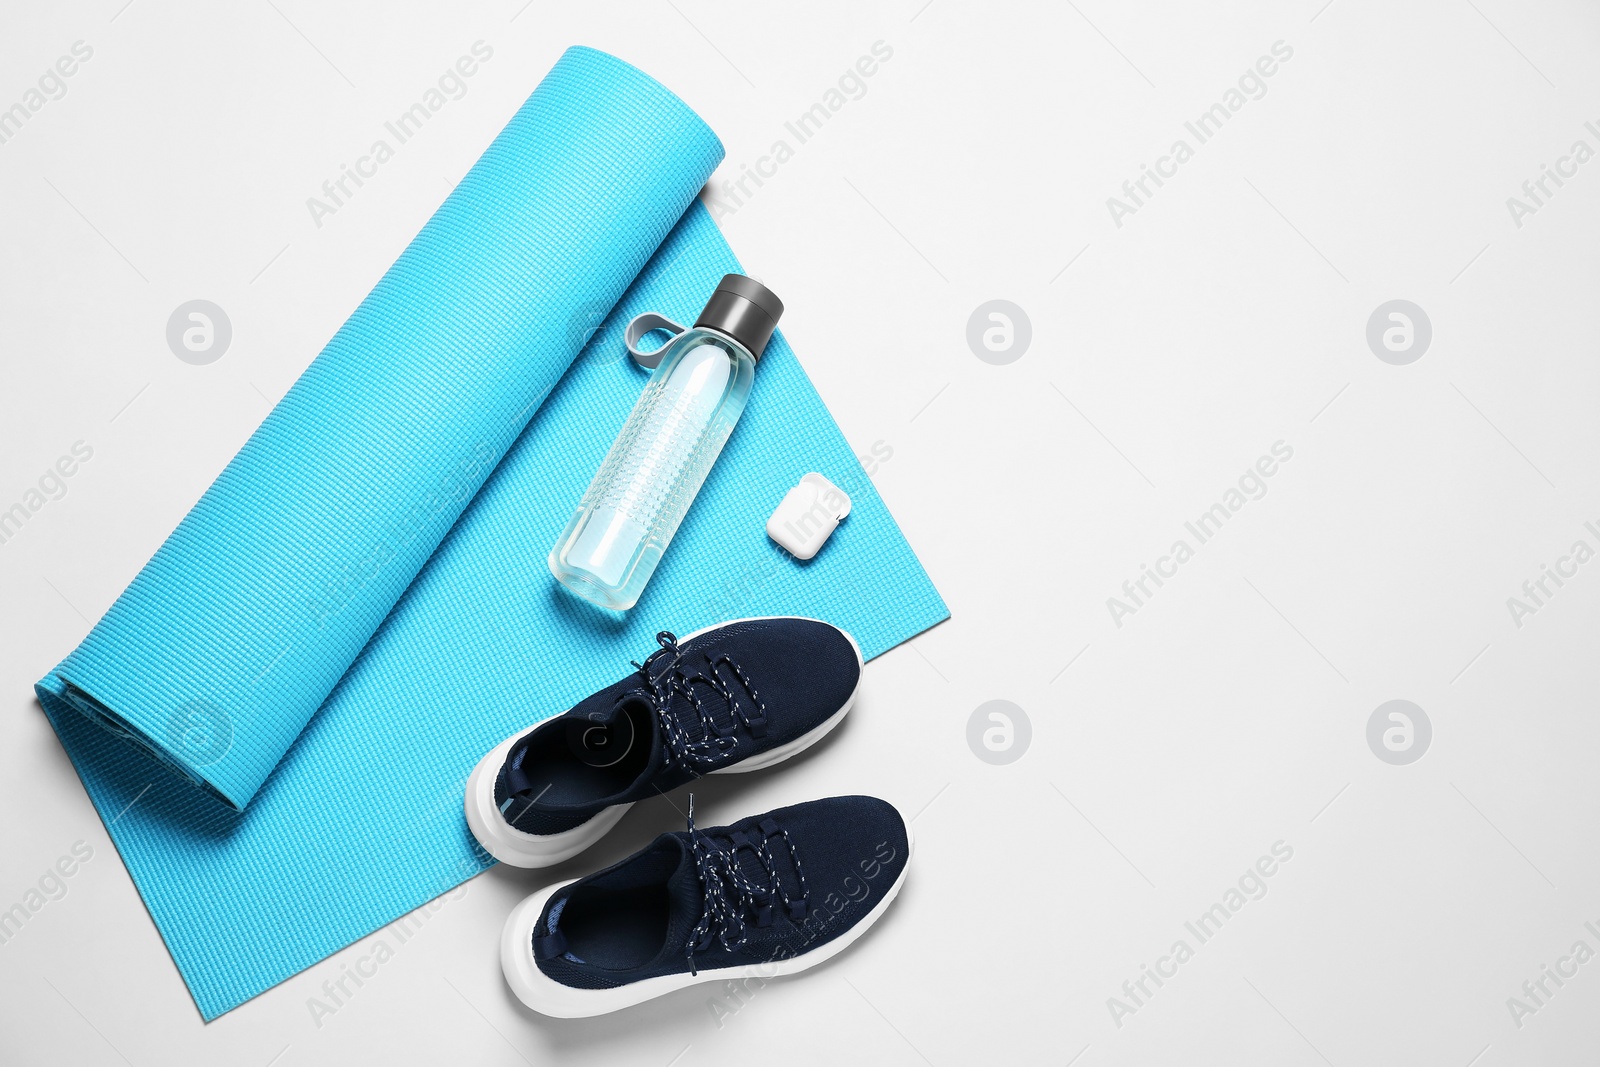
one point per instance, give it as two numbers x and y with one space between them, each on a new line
643 324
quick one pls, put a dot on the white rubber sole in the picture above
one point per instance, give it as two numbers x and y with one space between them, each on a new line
546 996
520 849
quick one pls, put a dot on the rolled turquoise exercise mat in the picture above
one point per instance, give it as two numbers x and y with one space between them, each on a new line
365 554
224 646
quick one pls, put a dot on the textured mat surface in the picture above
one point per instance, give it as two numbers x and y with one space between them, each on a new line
377 550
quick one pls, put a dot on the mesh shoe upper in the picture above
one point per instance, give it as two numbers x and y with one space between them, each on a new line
694 706
764 889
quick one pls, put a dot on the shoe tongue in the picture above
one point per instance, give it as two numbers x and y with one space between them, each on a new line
651 736
687 893
687 903
700 693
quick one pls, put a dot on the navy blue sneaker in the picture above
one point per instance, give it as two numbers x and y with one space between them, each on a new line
766 896
734 697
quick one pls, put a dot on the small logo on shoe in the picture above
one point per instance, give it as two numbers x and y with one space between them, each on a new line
999 732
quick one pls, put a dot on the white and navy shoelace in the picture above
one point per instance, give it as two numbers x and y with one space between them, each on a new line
730 895
665 680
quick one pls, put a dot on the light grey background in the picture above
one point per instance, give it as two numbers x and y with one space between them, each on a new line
1168 753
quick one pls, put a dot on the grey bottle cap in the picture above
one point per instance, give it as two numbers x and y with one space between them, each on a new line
745 310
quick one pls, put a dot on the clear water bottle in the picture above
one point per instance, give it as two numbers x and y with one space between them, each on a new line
658 462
